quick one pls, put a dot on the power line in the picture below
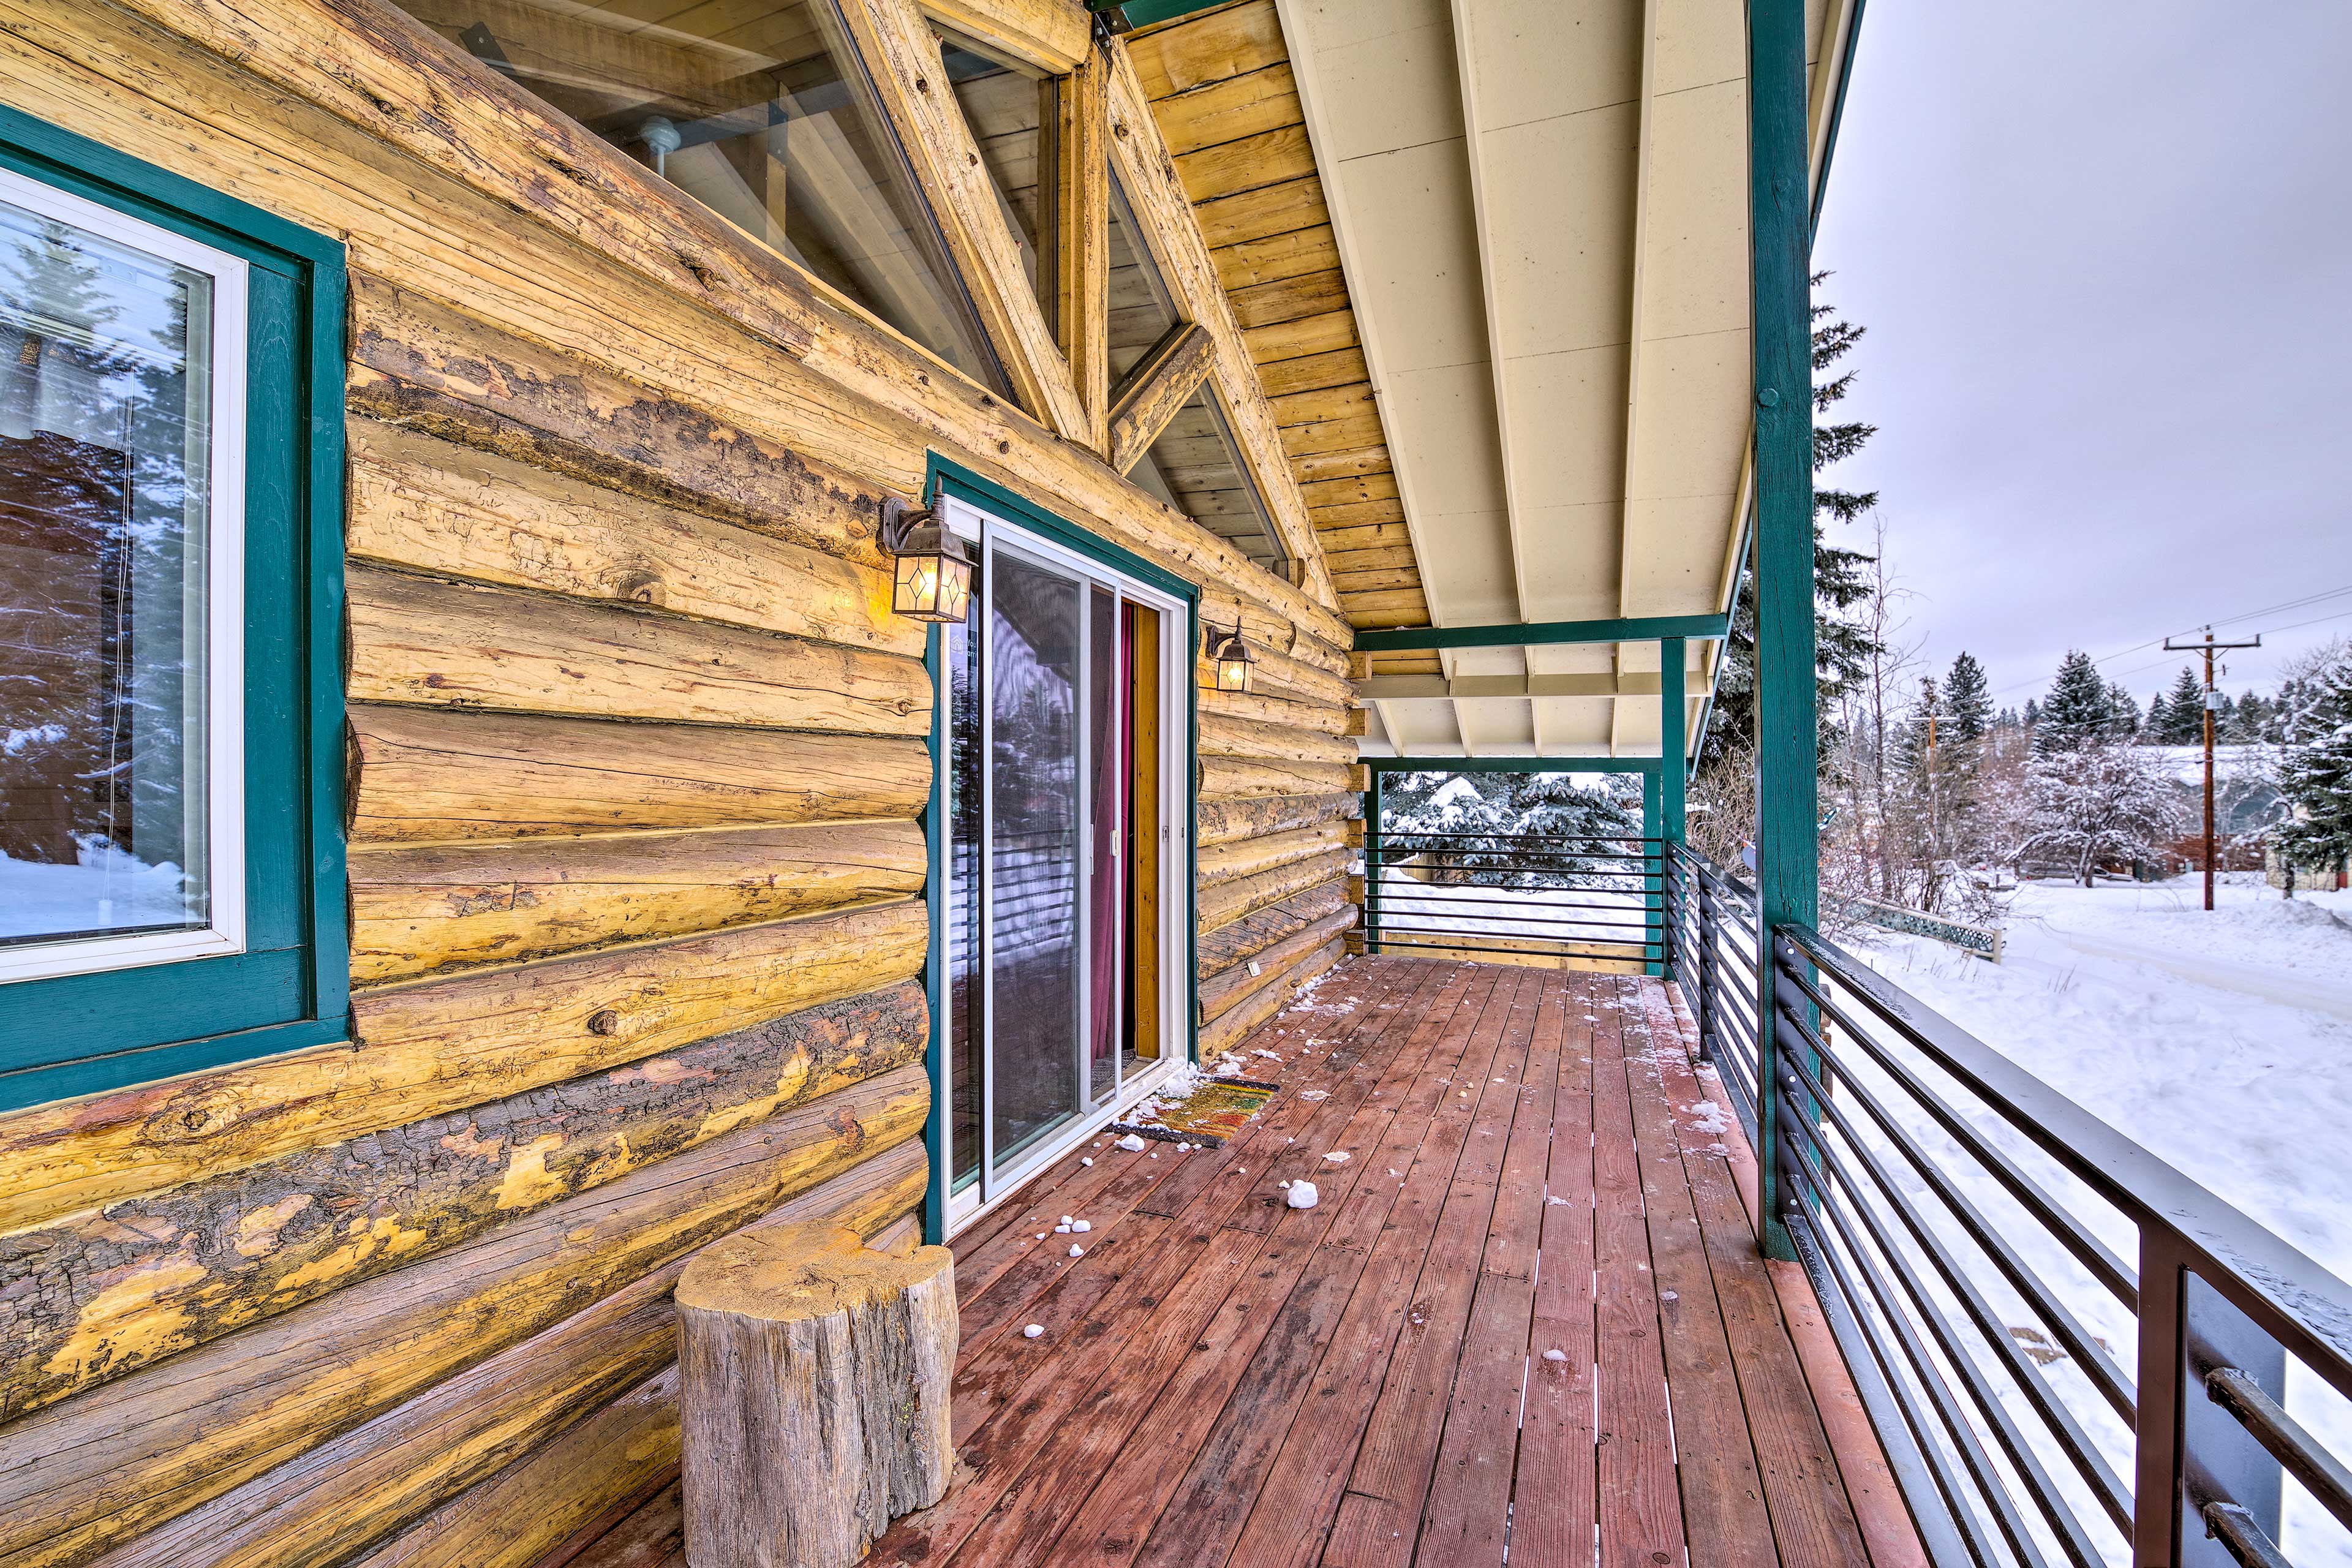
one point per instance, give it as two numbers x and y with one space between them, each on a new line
2295 604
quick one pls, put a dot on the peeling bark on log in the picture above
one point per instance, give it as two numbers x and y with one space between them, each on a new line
430 505
1230 778
1230 1030
1251 934
1248 856
1228 901
429 641
530 1408
93 1472
425 774
539 1025
443 907
1219 821
1221 993
1222 737
1325 718
814 1396
102 1294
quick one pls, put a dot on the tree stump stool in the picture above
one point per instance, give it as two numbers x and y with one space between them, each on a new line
813 1394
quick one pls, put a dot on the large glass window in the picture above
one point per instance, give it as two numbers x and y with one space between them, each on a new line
761 111
171 699
1196 467
121 382
1014 113
1142 311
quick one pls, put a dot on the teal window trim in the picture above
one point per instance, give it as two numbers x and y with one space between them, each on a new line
84 1034
942 474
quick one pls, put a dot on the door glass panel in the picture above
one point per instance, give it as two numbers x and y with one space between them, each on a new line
1195 468
1036 623
1106 695
1013 113
967 997
1142 311
105 462
759 111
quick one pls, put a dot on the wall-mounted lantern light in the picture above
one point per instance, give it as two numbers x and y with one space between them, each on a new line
933 578
1232 658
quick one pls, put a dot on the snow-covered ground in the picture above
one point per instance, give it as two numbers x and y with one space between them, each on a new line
109 891
2221 1042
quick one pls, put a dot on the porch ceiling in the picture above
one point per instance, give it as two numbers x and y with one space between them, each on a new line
1540 209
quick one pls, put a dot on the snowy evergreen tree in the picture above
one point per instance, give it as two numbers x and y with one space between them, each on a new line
2032 713
2123 713
2178 718
2080 711
2316 773
1842 648
1966 698
2101 801
1482 823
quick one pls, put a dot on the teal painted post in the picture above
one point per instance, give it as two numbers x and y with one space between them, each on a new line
1654 909
1788 866
1673 723
1372 863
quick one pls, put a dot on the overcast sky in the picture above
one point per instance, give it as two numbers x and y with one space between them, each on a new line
2104 251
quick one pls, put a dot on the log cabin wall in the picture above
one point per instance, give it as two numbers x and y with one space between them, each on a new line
636 764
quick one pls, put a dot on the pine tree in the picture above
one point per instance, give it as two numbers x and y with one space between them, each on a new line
2315 774
2032 713
2123 713
2080 711
2182 709
1966 698
1843 649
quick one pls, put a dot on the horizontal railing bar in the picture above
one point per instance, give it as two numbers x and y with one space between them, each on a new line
2299 1453
1957 1428
2076 1444
1410 943
2104 1374
1913 1470
2094 1253
2242 1537
2299 1303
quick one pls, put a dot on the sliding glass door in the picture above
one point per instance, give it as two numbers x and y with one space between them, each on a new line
1060 692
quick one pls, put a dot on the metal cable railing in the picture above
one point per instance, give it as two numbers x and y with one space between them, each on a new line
2072 1353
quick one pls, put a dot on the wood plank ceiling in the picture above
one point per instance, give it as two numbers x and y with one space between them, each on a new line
1222 93
1542 205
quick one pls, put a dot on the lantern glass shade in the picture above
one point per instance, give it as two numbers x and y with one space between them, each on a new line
1233 664
933 581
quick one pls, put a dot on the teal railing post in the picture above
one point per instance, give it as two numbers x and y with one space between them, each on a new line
1373 861
1673 723
1788 865
1654 887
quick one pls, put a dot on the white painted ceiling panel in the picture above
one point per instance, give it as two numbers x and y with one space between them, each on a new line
1542 208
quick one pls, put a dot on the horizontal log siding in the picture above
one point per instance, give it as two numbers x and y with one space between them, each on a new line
636 760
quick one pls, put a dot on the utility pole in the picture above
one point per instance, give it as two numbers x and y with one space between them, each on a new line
2209 647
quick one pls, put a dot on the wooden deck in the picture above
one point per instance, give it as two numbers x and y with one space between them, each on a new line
1528 1313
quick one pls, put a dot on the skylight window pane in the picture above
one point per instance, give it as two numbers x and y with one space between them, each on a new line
1013 113
1195 468
761 111
1142 311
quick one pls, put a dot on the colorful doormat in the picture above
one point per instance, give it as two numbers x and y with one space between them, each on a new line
1210 1114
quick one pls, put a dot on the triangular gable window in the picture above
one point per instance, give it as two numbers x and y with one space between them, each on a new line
762 112
1142 311
1013 113
1196 467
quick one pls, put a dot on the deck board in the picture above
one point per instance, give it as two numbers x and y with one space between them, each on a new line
1227 1381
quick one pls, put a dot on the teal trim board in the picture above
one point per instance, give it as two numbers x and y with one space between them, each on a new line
1514 764
290 988
1788 854
1420 639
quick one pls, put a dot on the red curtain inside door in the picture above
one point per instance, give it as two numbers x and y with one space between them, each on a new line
1108 928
